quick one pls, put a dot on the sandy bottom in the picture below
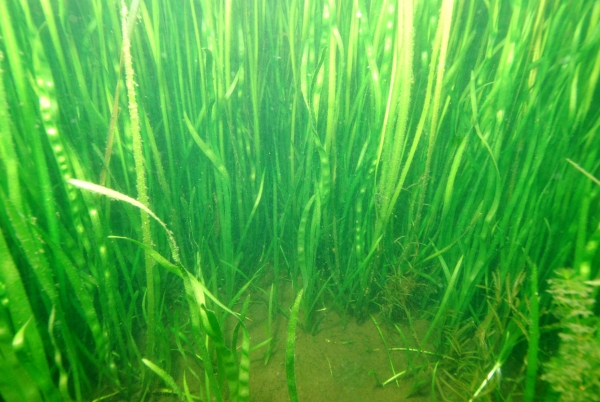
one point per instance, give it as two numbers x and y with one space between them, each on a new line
342 361
337 363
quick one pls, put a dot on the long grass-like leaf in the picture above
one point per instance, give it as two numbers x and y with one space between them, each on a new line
443 305
290 349
95 188
165 377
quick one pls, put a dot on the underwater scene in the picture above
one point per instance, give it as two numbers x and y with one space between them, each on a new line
299 200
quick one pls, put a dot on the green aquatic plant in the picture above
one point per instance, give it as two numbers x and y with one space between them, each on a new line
290 350
140 172
404 295
204 320
369 151
574 372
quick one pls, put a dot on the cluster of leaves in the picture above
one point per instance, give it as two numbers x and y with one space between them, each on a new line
477 349
574 372
403 295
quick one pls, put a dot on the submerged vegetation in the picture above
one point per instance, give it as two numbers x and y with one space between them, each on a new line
574 372
431 160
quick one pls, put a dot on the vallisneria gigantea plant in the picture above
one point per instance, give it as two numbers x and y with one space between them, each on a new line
347 151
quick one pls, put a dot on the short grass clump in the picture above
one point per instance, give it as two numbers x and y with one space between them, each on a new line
403 296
